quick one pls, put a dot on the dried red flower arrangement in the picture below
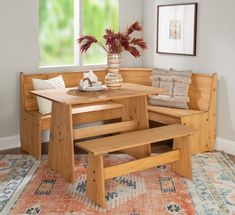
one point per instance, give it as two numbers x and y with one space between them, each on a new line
116 43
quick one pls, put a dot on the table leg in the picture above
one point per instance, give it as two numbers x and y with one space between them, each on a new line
135 108
61 148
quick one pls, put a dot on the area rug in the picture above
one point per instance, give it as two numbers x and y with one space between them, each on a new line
156 191
15 173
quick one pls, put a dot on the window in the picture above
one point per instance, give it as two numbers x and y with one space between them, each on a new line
56 38
60 27
98 15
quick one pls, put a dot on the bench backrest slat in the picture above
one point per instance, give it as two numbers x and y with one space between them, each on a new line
200 91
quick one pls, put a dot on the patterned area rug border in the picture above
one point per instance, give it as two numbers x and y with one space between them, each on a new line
16 171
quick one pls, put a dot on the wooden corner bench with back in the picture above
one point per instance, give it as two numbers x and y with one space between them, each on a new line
201 114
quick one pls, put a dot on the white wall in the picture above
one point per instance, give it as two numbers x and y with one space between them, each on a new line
129 12
215 53
19 51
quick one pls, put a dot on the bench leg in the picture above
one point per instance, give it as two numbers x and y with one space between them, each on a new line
184 165
95 180
30 135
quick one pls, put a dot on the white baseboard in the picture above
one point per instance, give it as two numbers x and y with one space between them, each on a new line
9 142
225 145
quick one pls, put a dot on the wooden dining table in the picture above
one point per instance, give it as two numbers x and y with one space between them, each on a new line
133 98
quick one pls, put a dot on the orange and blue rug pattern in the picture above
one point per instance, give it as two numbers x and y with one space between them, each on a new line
213 187
156 191
15 173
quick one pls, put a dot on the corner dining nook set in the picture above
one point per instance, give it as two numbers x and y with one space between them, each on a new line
192 130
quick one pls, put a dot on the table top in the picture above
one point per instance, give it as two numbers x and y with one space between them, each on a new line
74 96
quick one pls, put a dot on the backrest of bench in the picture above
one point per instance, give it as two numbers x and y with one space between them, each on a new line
71 79
200 92
137 75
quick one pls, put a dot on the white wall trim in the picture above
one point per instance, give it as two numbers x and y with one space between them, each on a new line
9 142
225 145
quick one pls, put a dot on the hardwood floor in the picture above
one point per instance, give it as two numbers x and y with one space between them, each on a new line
156 148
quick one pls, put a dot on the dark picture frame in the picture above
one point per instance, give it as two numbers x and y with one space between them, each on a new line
177 29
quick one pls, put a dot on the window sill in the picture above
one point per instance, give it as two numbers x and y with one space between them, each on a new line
71 68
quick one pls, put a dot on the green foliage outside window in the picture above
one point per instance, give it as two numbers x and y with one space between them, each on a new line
97 16
56 24
56 38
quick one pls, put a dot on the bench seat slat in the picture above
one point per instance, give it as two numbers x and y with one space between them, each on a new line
85 108
174 112
135 139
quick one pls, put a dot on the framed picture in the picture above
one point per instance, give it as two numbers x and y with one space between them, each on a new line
177 29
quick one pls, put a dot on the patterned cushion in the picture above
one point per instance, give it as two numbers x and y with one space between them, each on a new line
168 101
176 82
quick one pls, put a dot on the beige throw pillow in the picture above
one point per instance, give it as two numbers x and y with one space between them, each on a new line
168 101
176 82
44 105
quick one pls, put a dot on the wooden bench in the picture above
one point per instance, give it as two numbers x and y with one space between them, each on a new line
202 107
32 123
201 115
180 156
